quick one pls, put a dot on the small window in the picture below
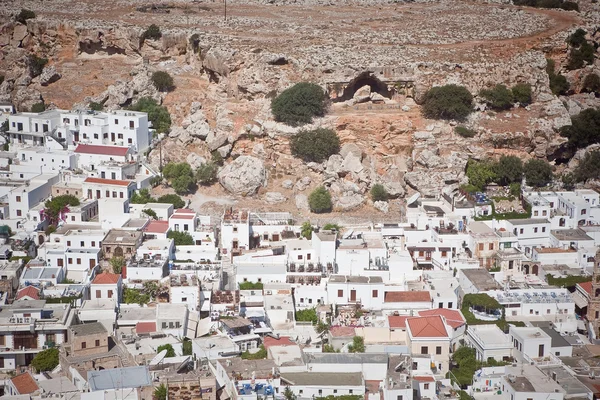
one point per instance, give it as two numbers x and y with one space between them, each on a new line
19 213
444 253
583 212
544 229
68 243
97 343
120 136
184 299
536 213
438 350
235 229
18 199
116 122
95 136
426 386
340 293
481 246
375 294
491 247
299 256
83 345
424 350
82 243
521 231
535 230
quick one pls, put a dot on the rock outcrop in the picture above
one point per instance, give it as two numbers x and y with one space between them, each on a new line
244 176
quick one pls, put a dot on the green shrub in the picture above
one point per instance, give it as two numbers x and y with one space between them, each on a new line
160 392
508 169
153 32
135 296
181 238
307 315
38 107
577 38
498 98
251 286
45 360
150 213
357 345
464 131
480 173
448 102
96 106
521 93
562 4
24 15
206 174
259 355
168 348
584 129
315 145
378 193
142 196
332 227
319 200
1 79
306 230
36 64
588 168
180 176
117 264
299 104
171 199
216 158
538 173
558 83
158 115
55 209
162 81
568 282
186 347
591 83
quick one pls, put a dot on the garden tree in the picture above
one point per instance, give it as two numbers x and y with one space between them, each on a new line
24 15
149 212
206 174
94 106
558 83
521 93
480 173
307 315
332 227
591 83
538 173
54 210
584 129
117 264
315 145
508 169
153 32
186 347
183 184
322 327
142 196
36 64
306 230
498 98
168 348
162 81
588 168
157 114
135 296
156 180
327 348
378 193
357 345
448 102
38 107
568 181
251 285
515 189
45 360
150 288
171 199
259 355
181 238
288 394
160 392
299 104
319 200
180 175
464 131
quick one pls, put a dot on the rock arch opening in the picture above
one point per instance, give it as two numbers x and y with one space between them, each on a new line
365 79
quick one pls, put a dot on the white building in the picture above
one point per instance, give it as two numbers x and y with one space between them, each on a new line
107 286
489 342
98 188
235 231
532 343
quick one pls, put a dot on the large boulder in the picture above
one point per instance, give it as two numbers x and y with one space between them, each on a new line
215 139
362 95
244 176
302 202
274 198
351 148
219 60
349 201
49 75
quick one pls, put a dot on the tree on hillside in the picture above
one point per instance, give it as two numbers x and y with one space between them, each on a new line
180 176
584 129
522 93
206 174
538 173
142 196
378 193
158 115
171 199
24 15
480 173
498 98
588 168
319 200
591 83
163 81
448 102
508 169
357 345
315 145
299 104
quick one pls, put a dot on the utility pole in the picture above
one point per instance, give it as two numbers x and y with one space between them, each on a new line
225 1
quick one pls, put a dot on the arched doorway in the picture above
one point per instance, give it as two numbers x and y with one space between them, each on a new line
41 240
534 270
118 252
526 269
364 79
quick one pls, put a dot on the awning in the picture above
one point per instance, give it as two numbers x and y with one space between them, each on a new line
579 300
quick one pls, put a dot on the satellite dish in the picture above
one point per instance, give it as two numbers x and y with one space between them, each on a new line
158 358
413 198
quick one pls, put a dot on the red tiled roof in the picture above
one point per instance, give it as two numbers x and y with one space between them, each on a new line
586 286
427 327
405 297
24 383
182 216
282 341
106 279
29 291
114 182
104 150
185 211
145 327
341 331
157 227
454 318
424 378
397 321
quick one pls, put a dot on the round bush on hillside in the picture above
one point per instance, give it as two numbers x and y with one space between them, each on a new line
319 200
498 98
538 173
591 83
316 145
378 193
299 104
162 80
448 102
522 93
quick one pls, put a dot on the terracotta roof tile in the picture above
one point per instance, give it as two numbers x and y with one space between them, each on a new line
454 318
102 181
341 331
409 296
106 279
157 227
271 342
424 378
29 291
145 327
586 286
24 383
396 321
104 150
427 327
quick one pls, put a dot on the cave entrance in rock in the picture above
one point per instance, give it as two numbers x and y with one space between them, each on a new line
364 79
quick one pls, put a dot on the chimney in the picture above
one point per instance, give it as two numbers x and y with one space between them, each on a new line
124 271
